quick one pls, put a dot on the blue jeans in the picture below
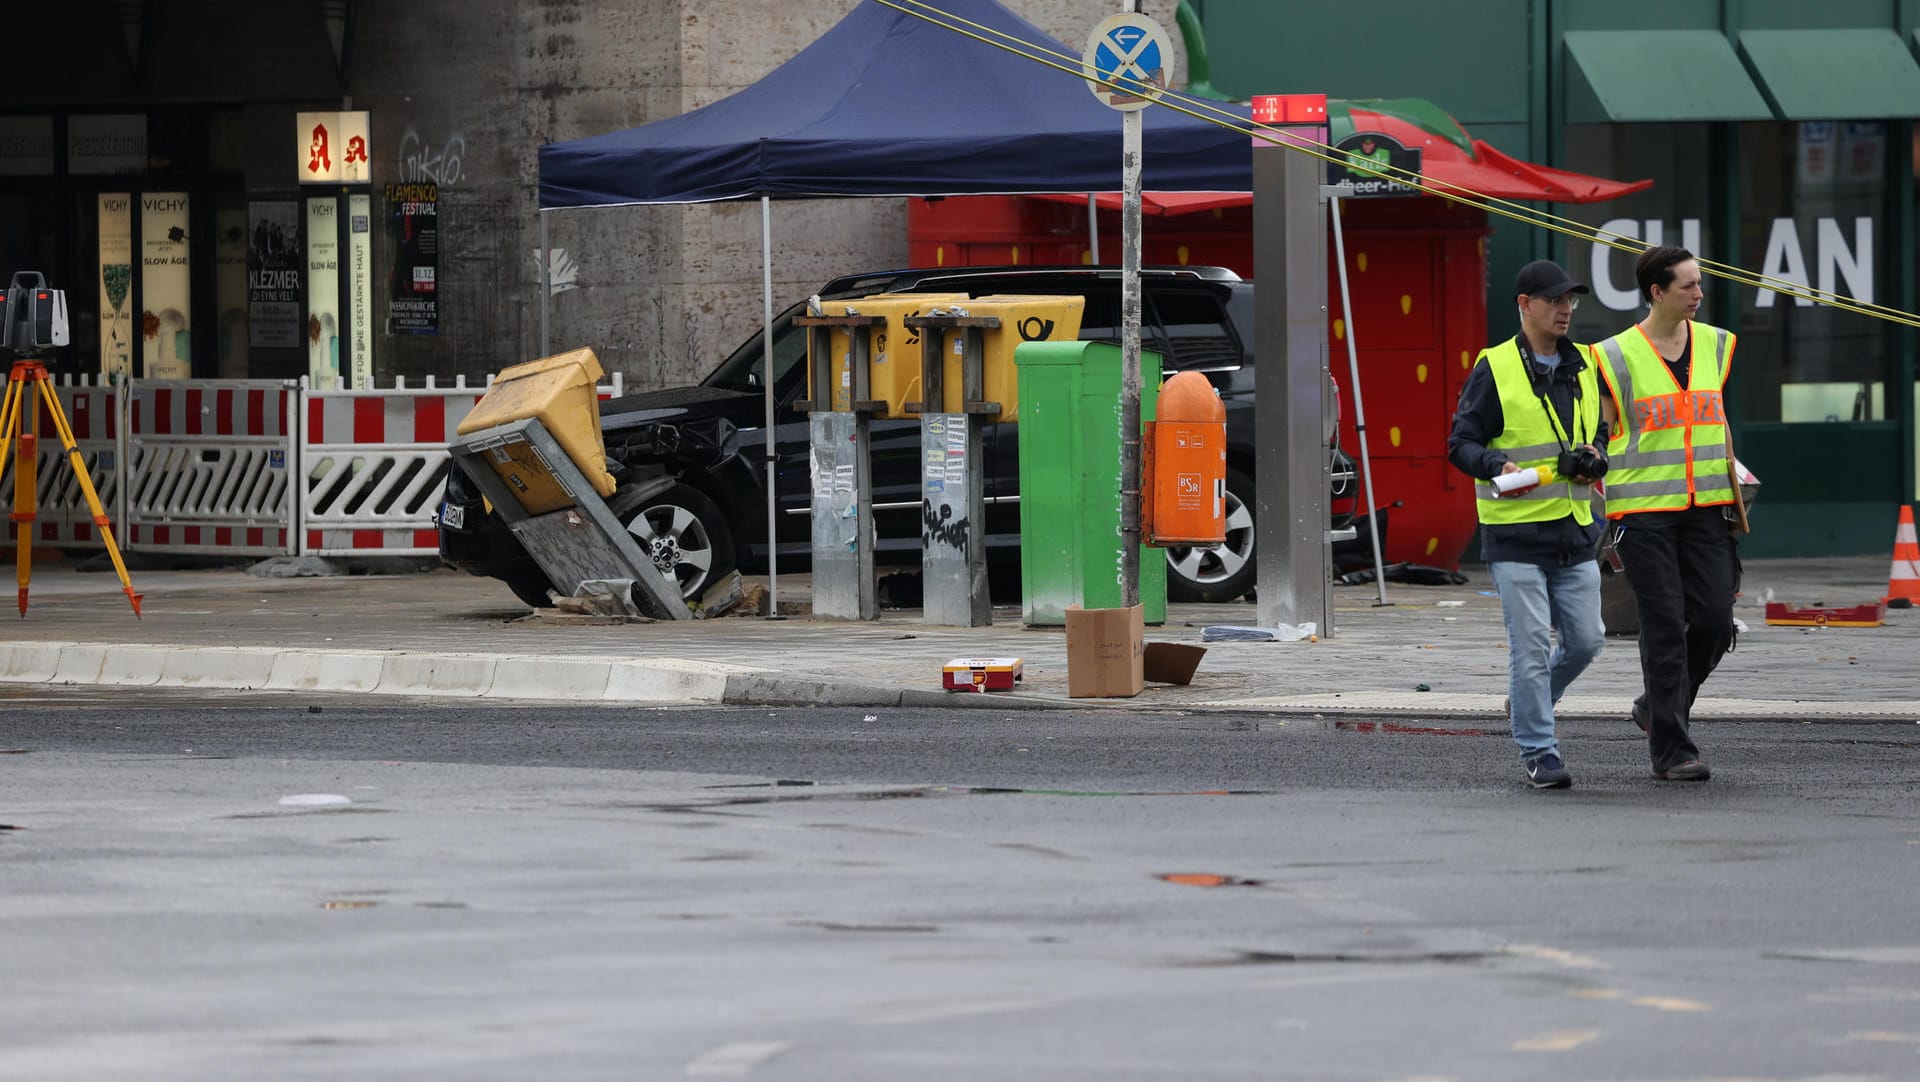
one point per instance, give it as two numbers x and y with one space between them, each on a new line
1535 600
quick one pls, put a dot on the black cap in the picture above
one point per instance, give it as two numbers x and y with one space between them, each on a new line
1544 278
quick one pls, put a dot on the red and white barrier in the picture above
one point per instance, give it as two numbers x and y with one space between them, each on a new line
254 467
208 466
374 468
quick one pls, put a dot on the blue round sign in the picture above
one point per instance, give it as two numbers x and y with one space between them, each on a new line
1127 61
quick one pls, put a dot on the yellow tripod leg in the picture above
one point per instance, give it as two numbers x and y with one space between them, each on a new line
9 427
100 519
26 482
9 417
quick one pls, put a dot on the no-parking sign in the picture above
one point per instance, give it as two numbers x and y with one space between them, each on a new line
1128 61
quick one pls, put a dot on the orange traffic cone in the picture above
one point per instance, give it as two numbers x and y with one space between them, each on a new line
1903 588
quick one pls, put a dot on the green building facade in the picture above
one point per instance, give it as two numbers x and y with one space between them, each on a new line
1780 138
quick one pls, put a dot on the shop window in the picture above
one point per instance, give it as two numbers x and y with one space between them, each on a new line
1674 211
1813 204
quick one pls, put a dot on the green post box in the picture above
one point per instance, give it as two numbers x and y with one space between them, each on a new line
1070 481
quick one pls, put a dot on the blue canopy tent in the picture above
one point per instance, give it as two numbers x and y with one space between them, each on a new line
889 104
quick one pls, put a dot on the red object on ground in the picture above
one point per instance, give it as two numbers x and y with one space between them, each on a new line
1870 615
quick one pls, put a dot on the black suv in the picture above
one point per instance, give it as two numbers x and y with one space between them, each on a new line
687 459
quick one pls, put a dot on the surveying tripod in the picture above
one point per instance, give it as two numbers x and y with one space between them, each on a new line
25 438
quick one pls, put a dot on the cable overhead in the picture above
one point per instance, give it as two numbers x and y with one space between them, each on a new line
1203 109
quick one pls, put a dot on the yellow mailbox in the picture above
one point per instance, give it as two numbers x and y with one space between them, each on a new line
894 348
559 390
1022 319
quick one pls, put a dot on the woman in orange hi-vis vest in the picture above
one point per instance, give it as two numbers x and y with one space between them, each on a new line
1666 491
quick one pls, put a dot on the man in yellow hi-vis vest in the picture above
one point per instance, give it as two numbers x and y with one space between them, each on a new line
1532 403
1666 493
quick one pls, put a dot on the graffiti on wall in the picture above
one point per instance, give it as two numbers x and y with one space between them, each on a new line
423 161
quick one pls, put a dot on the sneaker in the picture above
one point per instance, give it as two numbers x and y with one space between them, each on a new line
1689 770
1639 715
1548 772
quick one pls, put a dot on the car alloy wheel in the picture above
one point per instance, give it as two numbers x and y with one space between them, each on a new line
684 535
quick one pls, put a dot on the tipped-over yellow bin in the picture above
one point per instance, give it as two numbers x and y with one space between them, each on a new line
1022 319
894 349
559 390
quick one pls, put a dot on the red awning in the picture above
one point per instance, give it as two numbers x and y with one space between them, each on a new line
1166 204
1444 158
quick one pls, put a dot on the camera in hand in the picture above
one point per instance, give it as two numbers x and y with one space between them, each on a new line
1581 462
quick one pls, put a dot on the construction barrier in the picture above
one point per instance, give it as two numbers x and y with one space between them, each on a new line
374 467
207 466
64 518
253 467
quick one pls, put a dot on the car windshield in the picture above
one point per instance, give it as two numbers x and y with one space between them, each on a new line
744 370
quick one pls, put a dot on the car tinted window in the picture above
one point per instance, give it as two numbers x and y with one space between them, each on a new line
1197 331
1101 323
744 371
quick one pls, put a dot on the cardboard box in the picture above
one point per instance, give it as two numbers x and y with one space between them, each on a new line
1172 662
1105 652
982 674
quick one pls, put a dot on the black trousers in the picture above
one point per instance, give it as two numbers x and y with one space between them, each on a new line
1680 564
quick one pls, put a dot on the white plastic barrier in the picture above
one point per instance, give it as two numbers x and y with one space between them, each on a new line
253 467
207 468
373 467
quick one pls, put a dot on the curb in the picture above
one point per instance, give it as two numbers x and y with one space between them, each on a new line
667 680
515 677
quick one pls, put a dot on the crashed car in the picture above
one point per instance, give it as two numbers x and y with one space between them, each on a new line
688 461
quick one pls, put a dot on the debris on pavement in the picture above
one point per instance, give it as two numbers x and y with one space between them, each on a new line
1237 633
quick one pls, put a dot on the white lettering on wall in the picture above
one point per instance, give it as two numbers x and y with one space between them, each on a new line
1610 296
1840 266
1783 260
1653 231
1787 260
1856 266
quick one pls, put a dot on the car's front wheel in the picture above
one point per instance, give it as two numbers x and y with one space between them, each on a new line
686 537
1224 573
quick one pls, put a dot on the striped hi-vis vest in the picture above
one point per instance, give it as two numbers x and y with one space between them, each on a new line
1531 435
1670 448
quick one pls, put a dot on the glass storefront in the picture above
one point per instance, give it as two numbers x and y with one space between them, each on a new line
1812 211
1813 203
1676 210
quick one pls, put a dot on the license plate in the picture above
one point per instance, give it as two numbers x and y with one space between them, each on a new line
453 515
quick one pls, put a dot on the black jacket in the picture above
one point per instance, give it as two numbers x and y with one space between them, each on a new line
1480 419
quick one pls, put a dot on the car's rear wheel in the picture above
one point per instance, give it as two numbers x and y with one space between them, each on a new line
1224 573
686 537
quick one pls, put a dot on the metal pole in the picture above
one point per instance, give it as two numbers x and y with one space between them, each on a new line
1359 406
546 284
766 348
1130 362
1093 228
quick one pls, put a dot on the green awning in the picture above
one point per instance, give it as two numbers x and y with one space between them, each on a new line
1834 74
1672 75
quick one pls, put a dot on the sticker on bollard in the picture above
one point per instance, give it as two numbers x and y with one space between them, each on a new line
982 674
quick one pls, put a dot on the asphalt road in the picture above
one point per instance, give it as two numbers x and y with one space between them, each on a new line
562 892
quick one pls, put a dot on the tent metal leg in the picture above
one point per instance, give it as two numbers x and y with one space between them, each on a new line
766 332
1359 405
546 285
1093 227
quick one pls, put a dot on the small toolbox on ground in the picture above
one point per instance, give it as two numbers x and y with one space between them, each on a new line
1871 615
981 674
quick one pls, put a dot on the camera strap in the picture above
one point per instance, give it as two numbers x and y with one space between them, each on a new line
1543 390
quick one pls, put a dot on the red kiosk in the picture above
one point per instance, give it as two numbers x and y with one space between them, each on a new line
1417 269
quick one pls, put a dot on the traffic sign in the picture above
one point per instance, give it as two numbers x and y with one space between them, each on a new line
1133 52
